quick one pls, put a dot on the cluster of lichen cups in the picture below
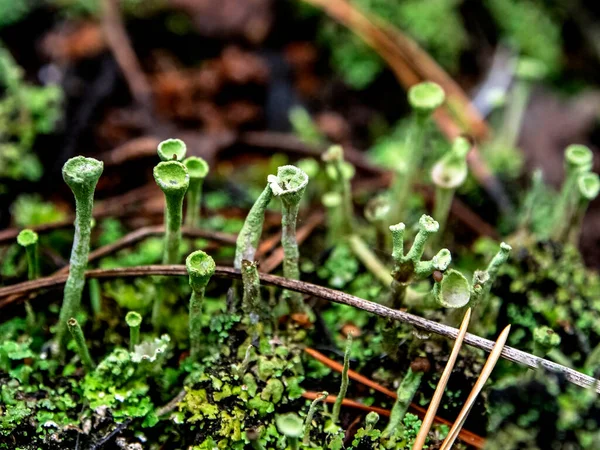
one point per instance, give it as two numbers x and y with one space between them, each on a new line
179 177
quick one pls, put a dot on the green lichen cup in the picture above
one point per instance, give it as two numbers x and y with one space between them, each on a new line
172 150
426 97
200 267
453 291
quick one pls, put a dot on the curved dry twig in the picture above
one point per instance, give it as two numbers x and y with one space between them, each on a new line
509 353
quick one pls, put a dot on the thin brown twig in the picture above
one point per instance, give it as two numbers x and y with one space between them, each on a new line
120 46
346 402
508 353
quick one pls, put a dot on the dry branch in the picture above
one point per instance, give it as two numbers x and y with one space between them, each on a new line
509 353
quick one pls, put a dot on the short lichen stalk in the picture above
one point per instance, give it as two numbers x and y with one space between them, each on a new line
134 321
289 185
81 175
251 300
29 240
448 174
291 426
337 406
310 415
588 187
341 173
82 348
249 236
335 219
424 98
578 160
253 435
198 170
409 268
173 179
200 268
484 279
406 391
376 212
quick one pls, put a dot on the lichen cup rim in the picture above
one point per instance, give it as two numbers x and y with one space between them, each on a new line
27 237
578 155
81 170
451 295
171 176
289 181
200 267
426 96
196 166
171 147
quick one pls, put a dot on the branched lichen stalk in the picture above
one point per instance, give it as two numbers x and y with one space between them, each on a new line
310 415
82 348
81 175
337 406
289 185
173 179
197 169
408 267
200 268
249 236
483 280
424 98
406 391
251 301
134 321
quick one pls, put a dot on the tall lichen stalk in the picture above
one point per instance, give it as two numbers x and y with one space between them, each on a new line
424 98
289 185
249 236
173 179
198 170
81 175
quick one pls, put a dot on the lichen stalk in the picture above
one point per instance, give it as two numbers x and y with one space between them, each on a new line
251 301
198 170
424 99
249 236
81 175
578 160
448 174
310 415
134 322
335 219
200 268
334 157
29 240
588 188
82 348
406 391
173 179
289 185
483 280
337 406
